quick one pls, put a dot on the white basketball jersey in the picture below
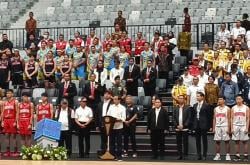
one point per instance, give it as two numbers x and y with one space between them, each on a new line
240 118
221 119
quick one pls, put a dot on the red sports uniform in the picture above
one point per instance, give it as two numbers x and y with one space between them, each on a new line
105 43
61 45
78 42
43 112
194 70
139 46
24 118
9 116
127 44
162 43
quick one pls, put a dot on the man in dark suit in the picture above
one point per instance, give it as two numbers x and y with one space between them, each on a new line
149 79
131 76
102 110
182 116
67 90
157 124
202 122
92 92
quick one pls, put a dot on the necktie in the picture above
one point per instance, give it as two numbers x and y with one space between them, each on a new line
198 111
148 73
66 84
93 89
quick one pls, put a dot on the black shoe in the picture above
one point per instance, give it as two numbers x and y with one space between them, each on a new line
199 158
236 158
154 157
86 156
245 158
180 158
204 158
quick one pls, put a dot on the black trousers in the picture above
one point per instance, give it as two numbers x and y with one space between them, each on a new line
149 90
17 79
4 84
116 142
132 89
66 138
32 82
84 134
201 133
186 54
129 133
182 142
103 140
157 142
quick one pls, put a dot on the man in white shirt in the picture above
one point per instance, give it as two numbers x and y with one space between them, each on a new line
83 118
187 78
65 116
203 78
237 30
192 90
117 111
103 108
223 35
116 71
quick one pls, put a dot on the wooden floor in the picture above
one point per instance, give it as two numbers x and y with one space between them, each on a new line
22 162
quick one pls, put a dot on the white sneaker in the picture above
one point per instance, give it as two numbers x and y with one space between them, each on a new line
217 157
228 158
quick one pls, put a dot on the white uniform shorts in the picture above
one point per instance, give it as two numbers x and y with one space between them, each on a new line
221 134
239 133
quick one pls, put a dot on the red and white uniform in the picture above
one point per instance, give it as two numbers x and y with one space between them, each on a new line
9 116
89 41
78 42
24 118
105 43
139 46
61 45
239 123
43 111
221 124
127 44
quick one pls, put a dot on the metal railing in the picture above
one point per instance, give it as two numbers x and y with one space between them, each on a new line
200 32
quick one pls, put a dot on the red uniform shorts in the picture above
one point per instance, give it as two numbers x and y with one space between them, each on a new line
24 127
8 126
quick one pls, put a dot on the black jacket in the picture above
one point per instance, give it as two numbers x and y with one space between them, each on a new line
205 117
99 118
186 117
71 93
70 118
97 92
135 75
162 122
152 77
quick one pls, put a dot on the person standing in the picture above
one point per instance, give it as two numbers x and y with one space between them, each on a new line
229 90
117 111
202 122
24 119
120 21
6 44
83 119
44 109
131 76
65 115
8 118
49 68
149 79
67 90
212 92
139 47
182 119
31 72
223 35
103 108
130 126
192 90
30 25
17 68
157 124
221 128
4 72
240 126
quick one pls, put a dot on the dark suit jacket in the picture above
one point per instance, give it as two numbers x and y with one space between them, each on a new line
205 118
152 77
186 116
135 75
87 93
162 122
71 93
99 118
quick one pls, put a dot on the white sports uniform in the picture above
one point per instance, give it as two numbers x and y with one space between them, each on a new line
239 123
221 124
